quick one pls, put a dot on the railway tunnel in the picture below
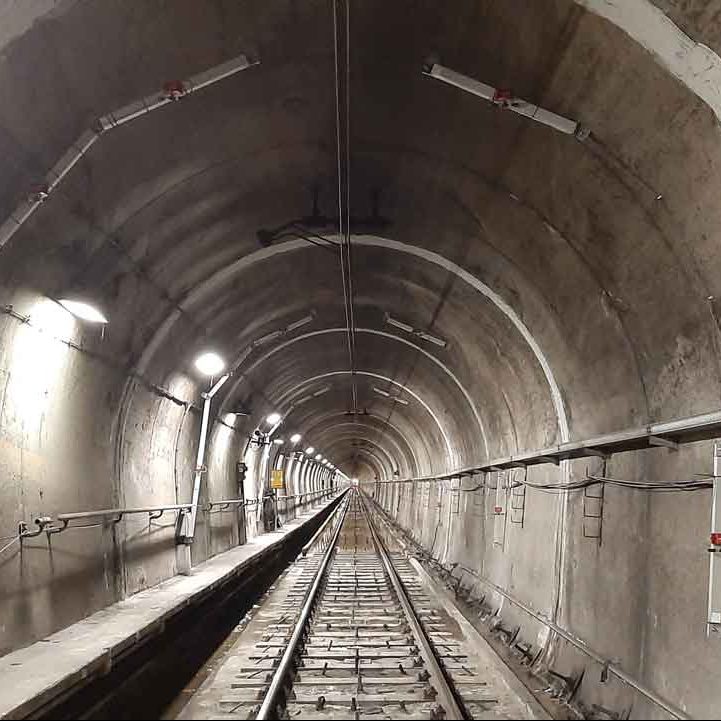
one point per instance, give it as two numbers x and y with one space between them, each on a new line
428 290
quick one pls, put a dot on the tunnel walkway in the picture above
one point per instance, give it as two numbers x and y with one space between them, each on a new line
55 675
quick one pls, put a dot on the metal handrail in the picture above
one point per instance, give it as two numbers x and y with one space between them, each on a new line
123 511
308 494
46 523
270 701
226 503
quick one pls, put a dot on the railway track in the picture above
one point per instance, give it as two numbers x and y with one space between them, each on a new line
352 634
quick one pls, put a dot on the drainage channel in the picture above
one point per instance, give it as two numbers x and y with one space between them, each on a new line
350 632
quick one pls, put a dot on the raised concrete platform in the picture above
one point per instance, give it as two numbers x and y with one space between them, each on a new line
33 676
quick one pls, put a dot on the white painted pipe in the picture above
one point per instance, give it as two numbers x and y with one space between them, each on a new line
123 115
146 105
200 459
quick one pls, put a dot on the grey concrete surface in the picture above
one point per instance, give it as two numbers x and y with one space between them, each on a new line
35 675
606 251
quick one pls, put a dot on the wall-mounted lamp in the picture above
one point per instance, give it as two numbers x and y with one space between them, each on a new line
210 364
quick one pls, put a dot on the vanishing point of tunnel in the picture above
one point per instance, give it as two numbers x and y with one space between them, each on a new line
360 359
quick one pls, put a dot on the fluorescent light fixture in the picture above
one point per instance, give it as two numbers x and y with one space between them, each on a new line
209 364
398 324
83 311
273 418
295 438
505 99
310 450
300 323
414 331
278 441
431 338
318 456
315 394
386 394
268 337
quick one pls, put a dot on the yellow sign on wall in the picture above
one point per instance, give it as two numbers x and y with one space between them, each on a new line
276 479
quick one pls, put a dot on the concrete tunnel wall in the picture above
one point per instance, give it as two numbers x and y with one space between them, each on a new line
605 251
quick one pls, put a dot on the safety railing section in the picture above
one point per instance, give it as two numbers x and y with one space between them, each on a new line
64 521
111 516
288 505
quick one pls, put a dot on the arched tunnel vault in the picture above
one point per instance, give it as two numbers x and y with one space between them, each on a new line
514 288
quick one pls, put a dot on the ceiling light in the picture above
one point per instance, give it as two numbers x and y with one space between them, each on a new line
505 99
310 450
386 394
295 438
230 418
282 331
398 324
273 418
83 311
209 364
414 331
318 457
300 323
267 338
278 441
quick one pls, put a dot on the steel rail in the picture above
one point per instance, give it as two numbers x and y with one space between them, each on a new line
446 695
319 532
608 665
268 708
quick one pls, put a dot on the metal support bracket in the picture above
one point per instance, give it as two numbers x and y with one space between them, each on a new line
596 452
663 442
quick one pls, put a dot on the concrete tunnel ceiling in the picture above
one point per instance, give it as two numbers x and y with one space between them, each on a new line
570 279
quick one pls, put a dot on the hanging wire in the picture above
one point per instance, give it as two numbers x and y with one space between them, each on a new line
344 222
675 486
